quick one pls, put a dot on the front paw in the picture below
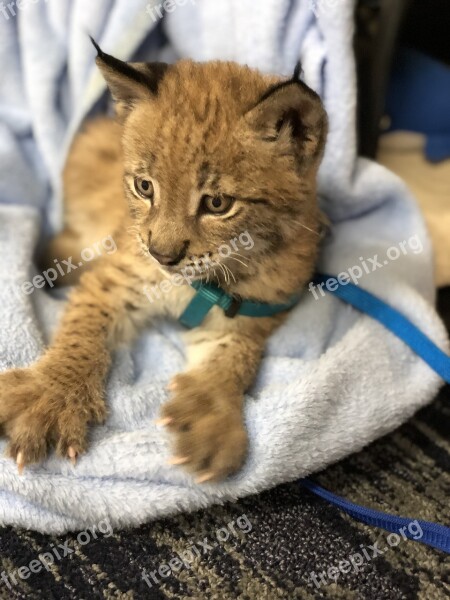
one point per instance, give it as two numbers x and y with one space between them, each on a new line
45 406
207 423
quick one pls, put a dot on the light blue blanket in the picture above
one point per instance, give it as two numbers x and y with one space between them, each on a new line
332 380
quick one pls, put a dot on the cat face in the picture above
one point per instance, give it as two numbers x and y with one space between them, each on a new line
213 151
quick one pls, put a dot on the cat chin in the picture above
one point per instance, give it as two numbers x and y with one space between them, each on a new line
185 272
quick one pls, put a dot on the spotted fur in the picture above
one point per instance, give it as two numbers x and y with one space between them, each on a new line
194 131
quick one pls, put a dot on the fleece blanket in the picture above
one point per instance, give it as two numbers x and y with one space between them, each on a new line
332 380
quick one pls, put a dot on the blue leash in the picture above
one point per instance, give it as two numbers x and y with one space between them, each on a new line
435 535
392 320
209 295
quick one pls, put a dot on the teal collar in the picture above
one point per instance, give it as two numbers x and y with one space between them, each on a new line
209 295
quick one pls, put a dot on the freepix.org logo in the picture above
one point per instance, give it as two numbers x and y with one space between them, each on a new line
321 6
156 11
11 9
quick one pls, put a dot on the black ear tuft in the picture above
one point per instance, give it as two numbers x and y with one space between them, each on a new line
96 46
108 63
298 72
291 108
129 83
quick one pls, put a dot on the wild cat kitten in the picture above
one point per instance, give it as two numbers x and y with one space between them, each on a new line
202 153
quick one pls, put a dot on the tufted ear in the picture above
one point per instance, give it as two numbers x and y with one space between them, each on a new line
129 83
293 113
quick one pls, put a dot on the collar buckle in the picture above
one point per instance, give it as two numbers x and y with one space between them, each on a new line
234 308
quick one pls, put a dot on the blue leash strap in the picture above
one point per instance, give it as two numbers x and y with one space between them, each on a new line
393 320
209 295
433 534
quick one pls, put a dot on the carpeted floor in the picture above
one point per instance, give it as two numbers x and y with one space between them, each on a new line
269 546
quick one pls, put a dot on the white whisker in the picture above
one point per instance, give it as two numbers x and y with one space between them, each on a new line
239 261
231 272
225 276
306 227
165 273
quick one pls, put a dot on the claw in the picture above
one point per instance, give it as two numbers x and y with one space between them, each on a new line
72 455
205 477
20 463
163 422
178 460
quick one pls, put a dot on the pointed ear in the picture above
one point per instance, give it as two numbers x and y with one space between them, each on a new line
129 83
290 113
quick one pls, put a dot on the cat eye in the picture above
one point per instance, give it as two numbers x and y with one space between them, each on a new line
144 188
217 205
